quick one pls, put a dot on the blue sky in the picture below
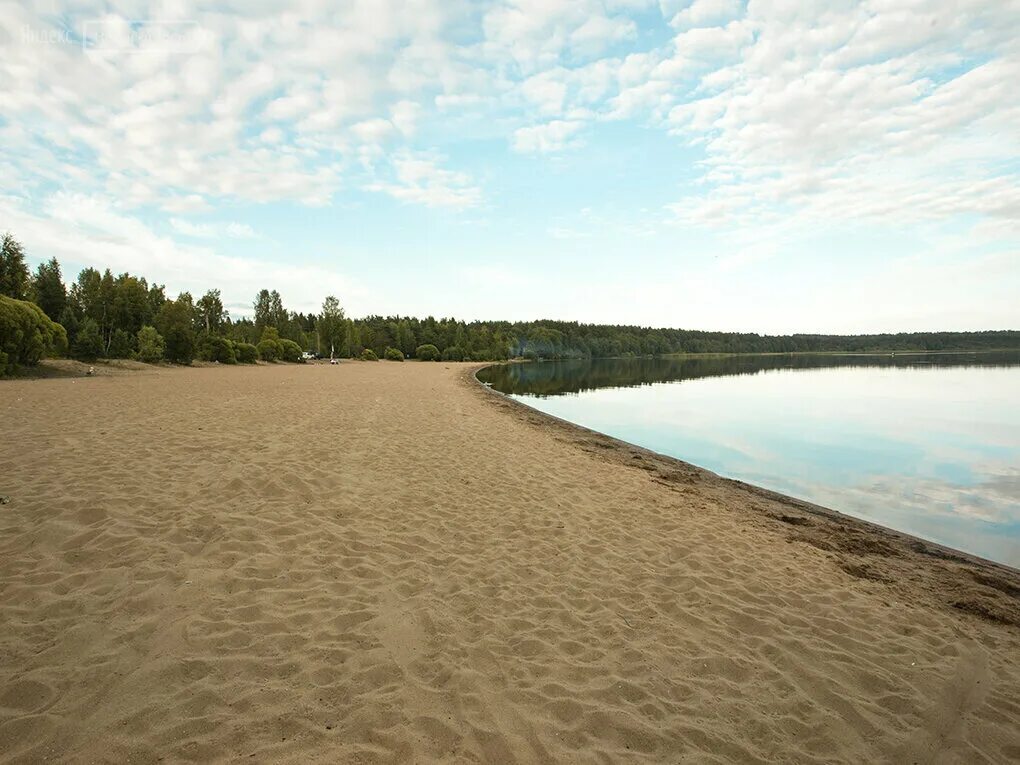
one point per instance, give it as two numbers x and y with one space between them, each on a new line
764 166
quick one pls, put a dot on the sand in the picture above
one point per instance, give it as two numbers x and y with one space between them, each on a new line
388 563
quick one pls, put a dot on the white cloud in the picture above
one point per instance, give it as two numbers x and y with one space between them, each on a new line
420 179
900 113
373 131
194 230
705 13
552 136
537 34
170 129
240 231
185 204
232 230
598 32
854 113
91 231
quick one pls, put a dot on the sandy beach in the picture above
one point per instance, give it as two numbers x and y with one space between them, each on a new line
389 563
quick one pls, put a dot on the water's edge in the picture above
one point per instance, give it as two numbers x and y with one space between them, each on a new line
918 545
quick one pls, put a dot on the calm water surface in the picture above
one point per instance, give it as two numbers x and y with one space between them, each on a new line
927 444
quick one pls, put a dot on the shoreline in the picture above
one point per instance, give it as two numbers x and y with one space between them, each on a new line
383 562
839 532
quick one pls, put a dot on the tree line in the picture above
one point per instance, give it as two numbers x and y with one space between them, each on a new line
579 375
102 315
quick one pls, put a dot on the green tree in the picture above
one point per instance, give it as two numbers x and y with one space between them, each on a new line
269 310
353 343
26 335
86 296
48 290
130 308
14 281
157 296
69 320
394 354
175 323
405 337
88 343
121 345
107 292
331 326
262 309
150 345
211 313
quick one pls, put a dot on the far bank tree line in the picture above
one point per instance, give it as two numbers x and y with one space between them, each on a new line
102 315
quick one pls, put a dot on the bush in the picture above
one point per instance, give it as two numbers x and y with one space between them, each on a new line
246 353
121 345
481 355
269 350
88 343
427 352
393 354
291 351
180 345
369 355
270 347
453 353
213 348
150 345
27 334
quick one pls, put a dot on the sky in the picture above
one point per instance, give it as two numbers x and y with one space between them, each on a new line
775 166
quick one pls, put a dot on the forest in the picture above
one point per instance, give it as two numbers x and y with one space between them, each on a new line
102 315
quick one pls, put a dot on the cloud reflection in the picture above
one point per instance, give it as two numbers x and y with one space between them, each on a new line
932 452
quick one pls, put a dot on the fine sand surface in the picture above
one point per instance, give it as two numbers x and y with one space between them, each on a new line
387 563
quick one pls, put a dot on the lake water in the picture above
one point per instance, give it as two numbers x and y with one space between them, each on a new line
926 444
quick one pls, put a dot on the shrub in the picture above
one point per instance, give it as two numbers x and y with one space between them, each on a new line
269 350
290 351
453 353
246 353
481 355
214 348
88 343
270 347
393 354
427 352
369 355
121 345
180 345
150 345
27 334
